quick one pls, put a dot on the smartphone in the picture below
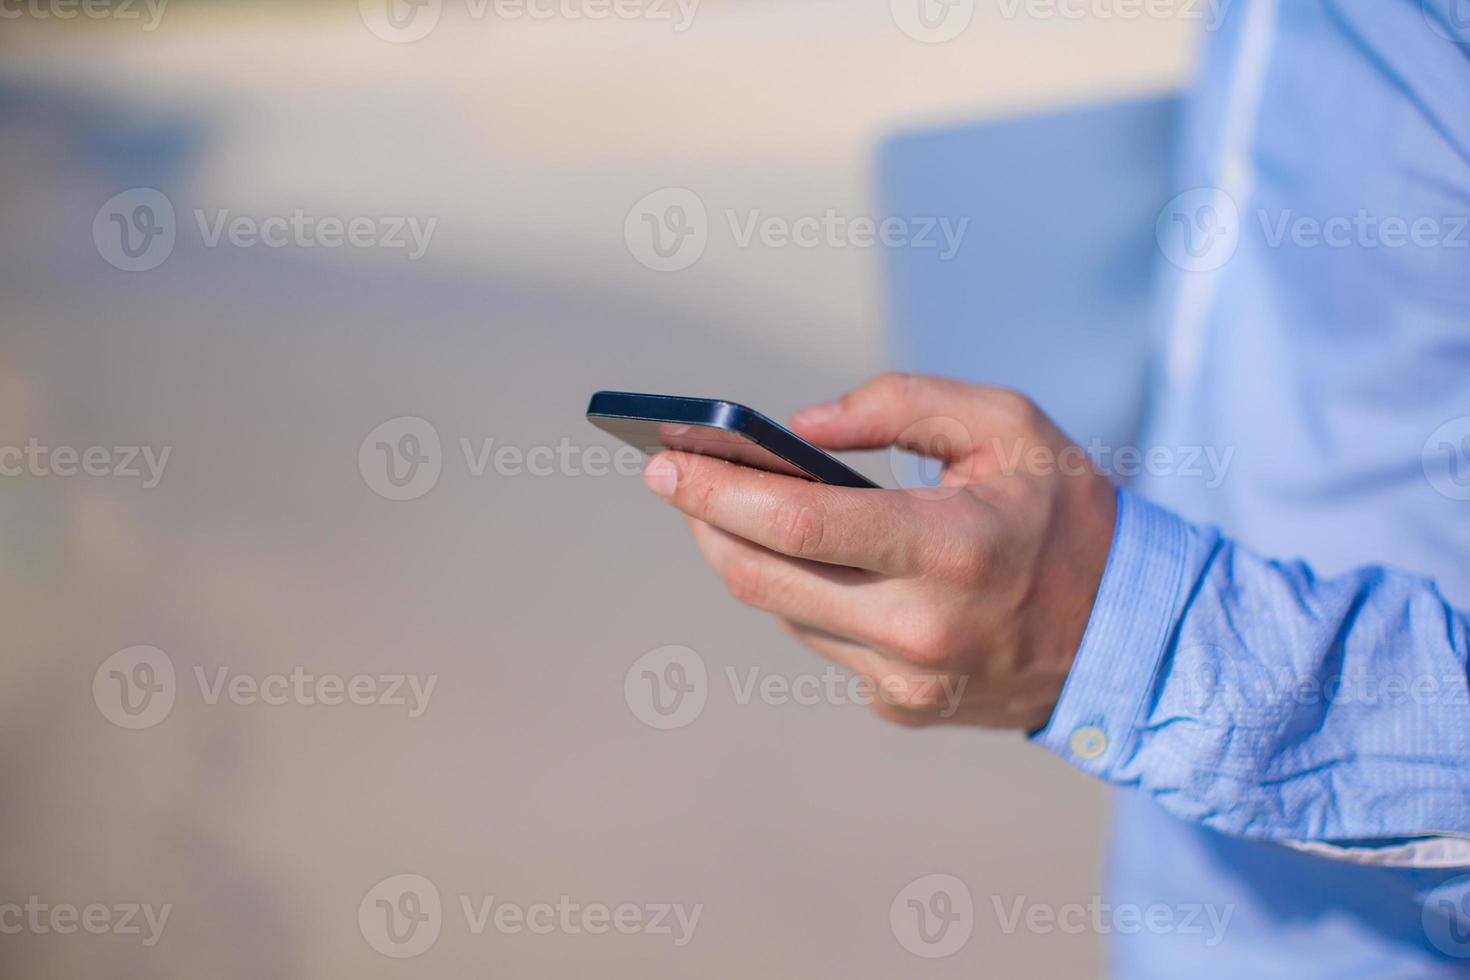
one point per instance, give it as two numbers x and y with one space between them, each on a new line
717 428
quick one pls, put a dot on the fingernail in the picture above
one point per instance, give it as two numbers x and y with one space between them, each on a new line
661 477
817 414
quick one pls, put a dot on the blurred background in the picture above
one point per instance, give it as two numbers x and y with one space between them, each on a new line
226 508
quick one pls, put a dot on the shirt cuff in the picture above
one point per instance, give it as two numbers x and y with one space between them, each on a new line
1095 723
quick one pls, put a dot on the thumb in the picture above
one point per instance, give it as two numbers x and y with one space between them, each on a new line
935 417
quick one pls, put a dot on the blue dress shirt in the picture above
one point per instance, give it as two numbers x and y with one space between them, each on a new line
1283 702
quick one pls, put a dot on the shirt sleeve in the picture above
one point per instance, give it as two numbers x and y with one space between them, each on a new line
1254 698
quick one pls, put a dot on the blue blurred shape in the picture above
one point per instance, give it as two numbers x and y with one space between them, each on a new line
125 145
1050 288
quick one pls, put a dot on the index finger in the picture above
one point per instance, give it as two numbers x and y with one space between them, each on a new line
878 530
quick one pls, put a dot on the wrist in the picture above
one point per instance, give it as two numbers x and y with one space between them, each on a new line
1115 663
1087 526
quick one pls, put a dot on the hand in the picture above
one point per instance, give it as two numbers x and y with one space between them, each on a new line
964 602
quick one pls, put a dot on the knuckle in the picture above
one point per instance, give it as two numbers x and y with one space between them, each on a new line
931 640
800 526
903 717
962 565
703 491
948 642
747 580
890 387
904 691
894 381
1009 399
958 558
1021 410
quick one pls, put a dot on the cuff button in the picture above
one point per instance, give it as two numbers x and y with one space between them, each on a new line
1088 742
